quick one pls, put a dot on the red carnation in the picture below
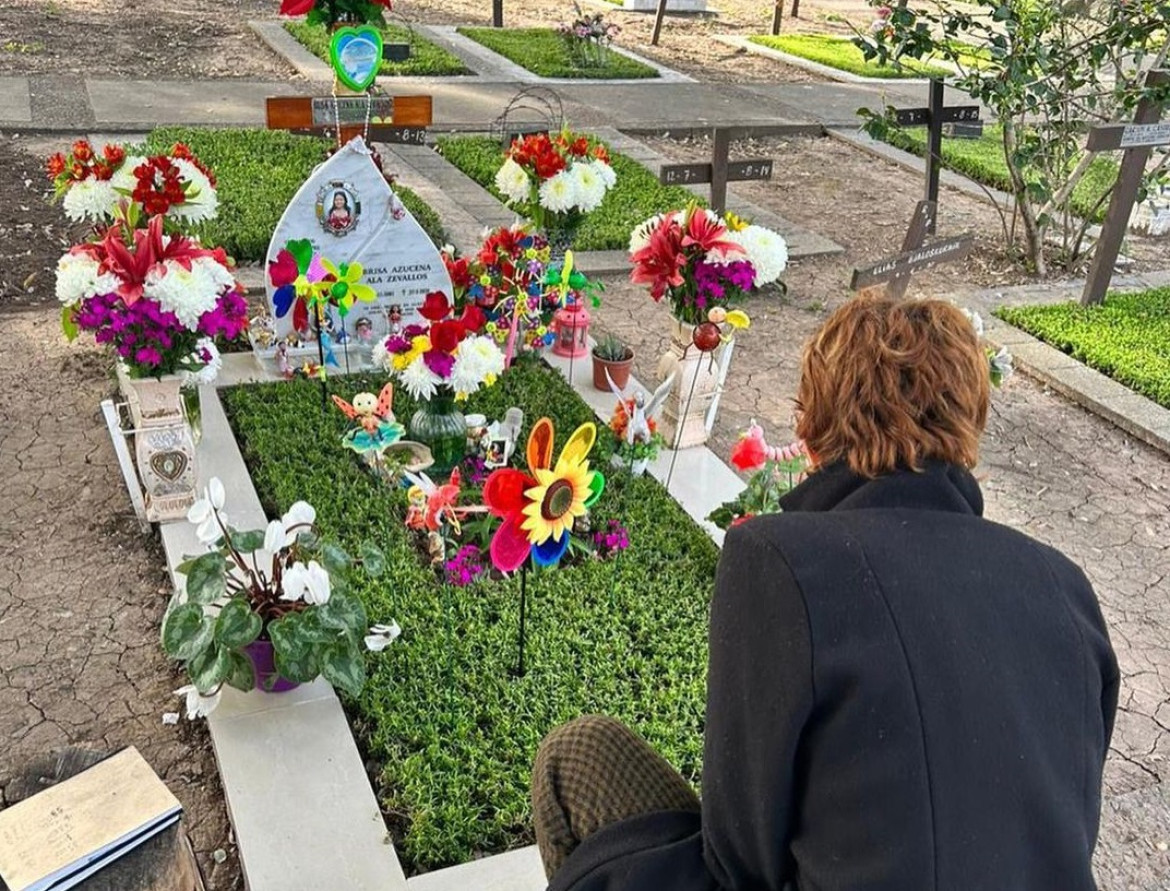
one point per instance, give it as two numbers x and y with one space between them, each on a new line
435 307
472 319
82 151
445 336
296 7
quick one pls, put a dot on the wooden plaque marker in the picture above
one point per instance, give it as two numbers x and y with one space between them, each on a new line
895 271
719 172
1137 139
387 114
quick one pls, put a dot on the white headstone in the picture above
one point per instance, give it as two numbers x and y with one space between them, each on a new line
350 214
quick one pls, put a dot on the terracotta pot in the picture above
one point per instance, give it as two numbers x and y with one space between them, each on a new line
619 371
263 658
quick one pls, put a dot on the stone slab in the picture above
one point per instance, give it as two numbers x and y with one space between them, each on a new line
145 103
15 102
518 870
292 51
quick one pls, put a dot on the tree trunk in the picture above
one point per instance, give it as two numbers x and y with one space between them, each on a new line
1033 231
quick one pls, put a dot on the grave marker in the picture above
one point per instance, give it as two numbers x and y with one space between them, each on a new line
934 117
895 271
1137 139
719 172
385 114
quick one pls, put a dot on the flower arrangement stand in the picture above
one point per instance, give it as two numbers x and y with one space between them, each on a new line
164 447
684 417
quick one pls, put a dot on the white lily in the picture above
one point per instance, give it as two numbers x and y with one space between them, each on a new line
317 584
199 705
295 582
274 536
381 636
296 520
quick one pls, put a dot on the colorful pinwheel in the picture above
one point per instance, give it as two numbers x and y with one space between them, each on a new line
539 507
301 280
567 281
347 286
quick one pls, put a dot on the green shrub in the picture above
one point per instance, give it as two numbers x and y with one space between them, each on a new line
982 160
843 54
1127 337
542 51
453 731
258 172
636 196
426 58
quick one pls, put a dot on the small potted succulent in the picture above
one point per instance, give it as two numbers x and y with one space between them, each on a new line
269 608
611 355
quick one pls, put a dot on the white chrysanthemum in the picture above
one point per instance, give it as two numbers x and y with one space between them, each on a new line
607 174
380 356
207 359
640 237
123 178
559 193
205 203
90 199
590 187
766 250
78 277
188 293
419 381
512 182
478 363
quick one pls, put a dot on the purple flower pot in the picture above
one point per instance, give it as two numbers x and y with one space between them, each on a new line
263 660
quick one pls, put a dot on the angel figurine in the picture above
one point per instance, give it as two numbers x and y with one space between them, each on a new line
638 429
377 433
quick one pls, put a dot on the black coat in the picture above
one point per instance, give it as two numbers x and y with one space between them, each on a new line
901 696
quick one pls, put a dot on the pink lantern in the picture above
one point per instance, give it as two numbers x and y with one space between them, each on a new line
571 324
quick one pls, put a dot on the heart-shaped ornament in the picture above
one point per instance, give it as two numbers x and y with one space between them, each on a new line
169 465
356 54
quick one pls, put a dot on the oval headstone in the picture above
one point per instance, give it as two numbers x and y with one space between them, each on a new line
350 214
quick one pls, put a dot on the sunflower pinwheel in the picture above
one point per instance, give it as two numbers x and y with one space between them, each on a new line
538 508
347 287
301 280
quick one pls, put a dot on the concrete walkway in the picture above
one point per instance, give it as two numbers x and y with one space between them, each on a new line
73 104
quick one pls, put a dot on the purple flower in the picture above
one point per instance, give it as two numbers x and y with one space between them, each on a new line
439 362
465 567
410 332
610 540
397 344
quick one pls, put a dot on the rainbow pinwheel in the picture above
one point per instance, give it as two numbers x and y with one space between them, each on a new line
347 287
539 507
301 280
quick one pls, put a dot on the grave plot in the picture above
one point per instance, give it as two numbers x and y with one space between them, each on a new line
836 54
562 53
424 58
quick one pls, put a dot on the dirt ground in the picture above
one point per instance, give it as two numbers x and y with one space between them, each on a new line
82 590
211 38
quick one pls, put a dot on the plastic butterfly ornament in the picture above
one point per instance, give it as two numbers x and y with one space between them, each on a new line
539 507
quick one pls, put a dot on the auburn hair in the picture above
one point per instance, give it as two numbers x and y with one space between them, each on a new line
888 384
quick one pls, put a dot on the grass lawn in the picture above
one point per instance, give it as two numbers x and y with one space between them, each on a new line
842 53
454 733
426 59
258 172
542 51
982 160
1127 337
637 195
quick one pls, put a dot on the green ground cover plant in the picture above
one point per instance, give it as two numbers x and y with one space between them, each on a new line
453 731
258 172
426 58
843 54
983 160
1127 337
637 195
542 51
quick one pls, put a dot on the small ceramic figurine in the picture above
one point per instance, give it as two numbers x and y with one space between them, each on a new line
638 428
263 330
282 362
395 320
363 329
370 411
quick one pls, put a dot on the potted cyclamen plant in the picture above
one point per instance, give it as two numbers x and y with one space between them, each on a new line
613 358
269 608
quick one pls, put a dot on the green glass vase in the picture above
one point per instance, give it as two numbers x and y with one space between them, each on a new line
440 426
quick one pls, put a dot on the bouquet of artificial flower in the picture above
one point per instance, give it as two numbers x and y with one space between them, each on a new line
159 300
334 12
450 352
282 586
588 37
702 260
555 178
113 185
773 470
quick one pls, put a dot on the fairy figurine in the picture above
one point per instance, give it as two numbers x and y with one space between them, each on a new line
376 427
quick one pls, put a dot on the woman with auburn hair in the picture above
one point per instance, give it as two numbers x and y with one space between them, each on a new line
901 694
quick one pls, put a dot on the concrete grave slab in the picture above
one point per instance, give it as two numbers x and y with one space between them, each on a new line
15 102
210 102
518 870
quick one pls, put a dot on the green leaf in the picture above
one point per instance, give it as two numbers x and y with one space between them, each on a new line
69 322
210 668
207 578
295 648
247 542
187 632
334 558
344 667
242 675
373 560
237 625
343 612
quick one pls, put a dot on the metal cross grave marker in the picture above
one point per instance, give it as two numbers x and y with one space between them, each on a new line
895 271
718 173
934 117
1137 139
